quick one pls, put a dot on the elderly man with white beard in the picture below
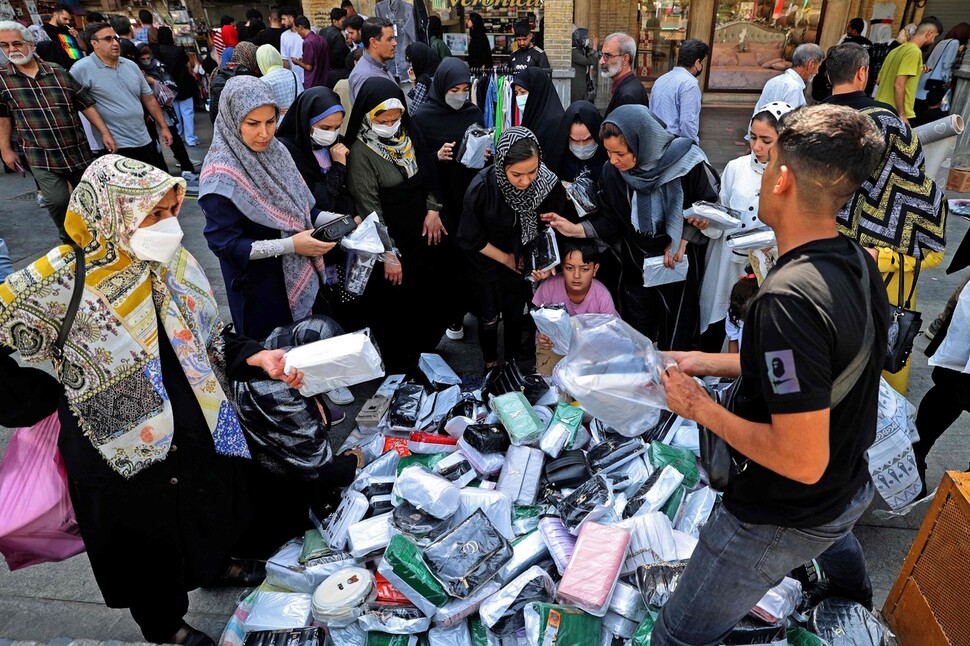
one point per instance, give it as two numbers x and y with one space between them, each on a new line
616 62
44 101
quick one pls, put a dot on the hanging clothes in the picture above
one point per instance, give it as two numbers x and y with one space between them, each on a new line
400 14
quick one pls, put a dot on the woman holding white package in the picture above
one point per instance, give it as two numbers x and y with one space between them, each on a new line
152 447
740 190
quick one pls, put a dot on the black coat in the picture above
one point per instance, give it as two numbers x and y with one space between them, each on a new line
629 91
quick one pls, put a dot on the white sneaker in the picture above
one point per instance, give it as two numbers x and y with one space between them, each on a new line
455 332
341 396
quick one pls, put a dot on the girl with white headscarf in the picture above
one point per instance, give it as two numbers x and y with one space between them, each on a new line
740 190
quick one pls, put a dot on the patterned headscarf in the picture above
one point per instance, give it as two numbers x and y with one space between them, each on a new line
397 149
523 202
777 109
245 54
265 186
111 372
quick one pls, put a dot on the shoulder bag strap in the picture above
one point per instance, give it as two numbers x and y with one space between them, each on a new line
845 381
79 273
912 288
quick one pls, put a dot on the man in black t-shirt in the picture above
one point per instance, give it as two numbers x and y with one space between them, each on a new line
526 53
805 479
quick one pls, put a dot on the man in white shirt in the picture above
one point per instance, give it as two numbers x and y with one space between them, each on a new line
789 86
291 43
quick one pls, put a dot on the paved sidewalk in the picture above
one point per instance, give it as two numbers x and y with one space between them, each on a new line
54 600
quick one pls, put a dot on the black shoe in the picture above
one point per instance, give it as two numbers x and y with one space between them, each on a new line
197 638
240 573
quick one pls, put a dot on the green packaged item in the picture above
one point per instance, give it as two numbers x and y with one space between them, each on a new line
314 546
478 630
642 636
525 518
547 624
672 507
404 567
520 421
681 459
427 459
798 636
561 434
375 638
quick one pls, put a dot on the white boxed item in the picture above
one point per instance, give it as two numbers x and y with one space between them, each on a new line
352 509
370 535
427 491
279 611
717 216
344 596
344 360
553 321
458 609
495 504
437 370
656 274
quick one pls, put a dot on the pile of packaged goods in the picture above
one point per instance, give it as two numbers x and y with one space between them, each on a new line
492 518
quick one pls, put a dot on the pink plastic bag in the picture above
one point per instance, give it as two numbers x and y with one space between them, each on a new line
37 522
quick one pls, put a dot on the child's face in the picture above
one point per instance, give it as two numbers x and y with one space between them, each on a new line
578 274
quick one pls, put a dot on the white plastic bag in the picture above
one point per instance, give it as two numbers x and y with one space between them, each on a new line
892 462
553 321
456 634
340 361
279 611
697 510
954 350
656 274
651 540
614 372
717 216
427 491
365 238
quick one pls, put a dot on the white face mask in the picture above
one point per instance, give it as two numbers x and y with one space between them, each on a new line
386 131
159 242
520 100
456 101
583 152
323 138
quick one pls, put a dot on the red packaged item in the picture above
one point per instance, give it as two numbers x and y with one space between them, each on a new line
399 444
387 594
432 443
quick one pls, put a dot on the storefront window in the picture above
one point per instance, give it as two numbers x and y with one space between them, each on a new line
663 26
754 40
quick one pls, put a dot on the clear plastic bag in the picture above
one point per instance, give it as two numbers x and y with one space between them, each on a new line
352 509
454 635
658 581
584 193
366 238
527 551
563 431
437 370
502 612
778 602
655 273
654 493
397 621
403 566
518 417
588 502
278 611
651 540
458 609
468 556
717 216
553 321
340 361
558 539
427 491
495 505
697 511
614 372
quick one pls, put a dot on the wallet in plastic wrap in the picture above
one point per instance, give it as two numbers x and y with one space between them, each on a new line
468 555
521 475
657 581
403 566
589 501
594 568
502 612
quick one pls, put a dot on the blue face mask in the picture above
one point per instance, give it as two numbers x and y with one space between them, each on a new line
520 100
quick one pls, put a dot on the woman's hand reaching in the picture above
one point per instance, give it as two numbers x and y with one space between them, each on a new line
306 245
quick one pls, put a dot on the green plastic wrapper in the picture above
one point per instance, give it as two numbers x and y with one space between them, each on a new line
569 416
525 518
681 459
375 638
405 560
798 636
314 546
547 624
642 636
519 419
478 630
427 459
672 507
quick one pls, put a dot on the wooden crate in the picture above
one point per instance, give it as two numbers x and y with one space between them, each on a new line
928 605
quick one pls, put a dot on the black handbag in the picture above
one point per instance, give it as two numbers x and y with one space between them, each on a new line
567 471
716 457
904 323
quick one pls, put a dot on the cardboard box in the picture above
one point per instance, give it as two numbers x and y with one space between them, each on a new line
958 180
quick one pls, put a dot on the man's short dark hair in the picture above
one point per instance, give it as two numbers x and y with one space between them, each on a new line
121 25
337 14
347 3
146 17
288 11
226 20
691 51
92 30
373 28
95 16
831 149
354 22
843 61
62 7
254 14
302 21
931 20
857 24
522 27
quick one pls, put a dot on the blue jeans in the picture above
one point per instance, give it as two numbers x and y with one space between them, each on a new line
186 124
5 267
735 563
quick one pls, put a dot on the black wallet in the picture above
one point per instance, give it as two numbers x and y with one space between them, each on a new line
567 471
336 229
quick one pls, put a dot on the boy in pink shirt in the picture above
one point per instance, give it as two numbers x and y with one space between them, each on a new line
576 288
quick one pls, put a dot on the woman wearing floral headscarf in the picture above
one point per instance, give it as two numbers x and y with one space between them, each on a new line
740 189
391 173
150 442
501 216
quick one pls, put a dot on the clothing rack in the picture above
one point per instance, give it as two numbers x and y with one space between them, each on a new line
501 70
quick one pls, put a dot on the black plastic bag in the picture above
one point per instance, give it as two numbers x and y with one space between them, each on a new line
468 555
613 452
513 619
593 495
657 581
846 623
567 471
406 405
418 525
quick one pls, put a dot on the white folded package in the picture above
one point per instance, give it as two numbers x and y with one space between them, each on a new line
717 216
656 274
344 360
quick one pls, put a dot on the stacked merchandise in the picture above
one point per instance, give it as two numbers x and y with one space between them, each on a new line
508 515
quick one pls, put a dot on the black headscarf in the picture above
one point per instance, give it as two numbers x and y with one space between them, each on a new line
372 93
294 130
543 110
165 36
479 51
559 157
424 61
438 122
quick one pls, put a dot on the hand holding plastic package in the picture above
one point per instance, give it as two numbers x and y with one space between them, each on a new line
341 361
594 568
554 323
614 372
427 491
365 238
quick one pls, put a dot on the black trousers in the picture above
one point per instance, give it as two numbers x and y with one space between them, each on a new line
148 154
941 406
507 296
